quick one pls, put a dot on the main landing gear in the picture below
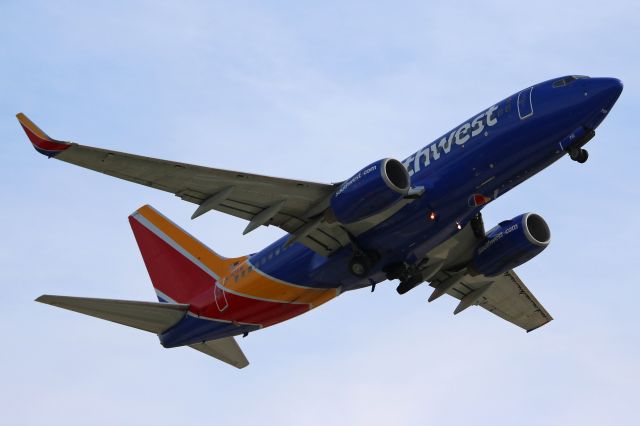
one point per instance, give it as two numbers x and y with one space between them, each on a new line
578 154
362 261
411 276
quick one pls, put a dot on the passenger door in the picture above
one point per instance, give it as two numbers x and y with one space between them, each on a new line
525 104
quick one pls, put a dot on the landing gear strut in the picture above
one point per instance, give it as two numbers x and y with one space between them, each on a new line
411 276
578 154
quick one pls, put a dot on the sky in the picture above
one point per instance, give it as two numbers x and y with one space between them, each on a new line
314 92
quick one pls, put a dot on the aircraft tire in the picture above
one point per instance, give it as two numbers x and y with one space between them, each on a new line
360 265
583 156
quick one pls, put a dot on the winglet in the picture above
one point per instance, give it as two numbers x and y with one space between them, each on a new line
39 139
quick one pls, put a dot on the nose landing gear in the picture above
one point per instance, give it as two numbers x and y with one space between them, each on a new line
573 144
578 154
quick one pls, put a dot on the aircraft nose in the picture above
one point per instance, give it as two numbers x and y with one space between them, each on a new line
613 86
606 87
601 93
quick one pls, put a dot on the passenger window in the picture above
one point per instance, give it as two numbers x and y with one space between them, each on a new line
277 251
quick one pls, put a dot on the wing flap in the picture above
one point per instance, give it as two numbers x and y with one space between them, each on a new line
226 350
148 316
511 300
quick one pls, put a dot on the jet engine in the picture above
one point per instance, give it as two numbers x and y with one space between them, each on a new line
510 244
370 191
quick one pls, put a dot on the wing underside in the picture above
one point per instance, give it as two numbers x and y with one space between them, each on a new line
292 205
239 194
505 296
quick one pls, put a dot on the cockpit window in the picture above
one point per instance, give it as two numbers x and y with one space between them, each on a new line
565 81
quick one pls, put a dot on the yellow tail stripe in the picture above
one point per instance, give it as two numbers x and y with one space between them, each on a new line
258 285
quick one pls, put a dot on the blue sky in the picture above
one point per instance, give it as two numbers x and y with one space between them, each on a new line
312 92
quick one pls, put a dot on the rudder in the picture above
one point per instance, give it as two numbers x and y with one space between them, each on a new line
180 266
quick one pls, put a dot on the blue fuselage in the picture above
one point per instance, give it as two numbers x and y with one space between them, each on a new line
488 154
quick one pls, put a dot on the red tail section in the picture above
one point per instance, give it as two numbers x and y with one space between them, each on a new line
180 266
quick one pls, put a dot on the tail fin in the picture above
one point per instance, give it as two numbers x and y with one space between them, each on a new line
180 266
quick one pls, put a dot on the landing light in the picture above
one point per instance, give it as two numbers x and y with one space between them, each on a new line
433 216
458 225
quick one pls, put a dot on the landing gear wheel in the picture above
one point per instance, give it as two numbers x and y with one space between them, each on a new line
578 154
361 264
583 156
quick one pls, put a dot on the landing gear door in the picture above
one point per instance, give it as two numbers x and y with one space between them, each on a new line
525 104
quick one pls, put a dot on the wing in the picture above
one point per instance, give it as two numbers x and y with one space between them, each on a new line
293 205
505 295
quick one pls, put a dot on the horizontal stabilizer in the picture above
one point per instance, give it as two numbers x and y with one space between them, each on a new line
226 350
148 316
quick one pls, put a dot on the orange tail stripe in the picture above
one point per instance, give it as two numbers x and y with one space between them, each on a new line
257 285
221 266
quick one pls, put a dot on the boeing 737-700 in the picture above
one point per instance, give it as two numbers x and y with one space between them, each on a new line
416 221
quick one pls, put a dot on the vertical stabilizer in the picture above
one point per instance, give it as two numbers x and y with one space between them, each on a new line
180 266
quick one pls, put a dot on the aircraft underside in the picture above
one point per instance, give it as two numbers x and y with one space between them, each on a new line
416 221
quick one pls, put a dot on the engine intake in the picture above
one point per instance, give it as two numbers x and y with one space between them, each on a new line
511 243
370 191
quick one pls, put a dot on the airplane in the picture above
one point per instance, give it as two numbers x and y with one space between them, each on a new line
416 221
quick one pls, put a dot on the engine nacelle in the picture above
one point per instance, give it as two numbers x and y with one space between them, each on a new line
370 191
511 243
